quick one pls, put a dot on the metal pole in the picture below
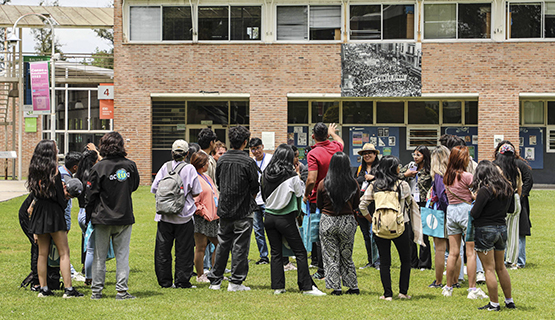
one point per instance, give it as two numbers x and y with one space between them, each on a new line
53 94
20 113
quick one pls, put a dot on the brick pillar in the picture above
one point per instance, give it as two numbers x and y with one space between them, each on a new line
268 113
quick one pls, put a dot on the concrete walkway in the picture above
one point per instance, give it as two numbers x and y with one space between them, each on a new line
10 189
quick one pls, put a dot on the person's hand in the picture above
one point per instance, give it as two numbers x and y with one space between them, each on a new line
305 199
35 237
66 194
298 168
332 128
368 177
91 146
410 173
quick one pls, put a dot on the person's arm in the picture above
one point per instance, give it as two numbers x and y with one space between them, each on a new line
136 178
92 194
365 201
310 181
320 196
356 199
331 131
196 188
527 179
482 198
254 186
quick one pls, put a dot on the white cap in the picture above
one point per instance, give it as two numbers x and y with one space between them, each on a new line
180 145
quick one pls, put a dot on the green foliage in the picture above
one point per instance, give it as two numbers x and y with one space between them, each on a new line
43 36
533 287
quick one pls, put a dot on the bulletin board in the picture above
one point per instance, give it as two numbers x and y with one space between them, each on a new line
531 146
298 136
469 135
385 139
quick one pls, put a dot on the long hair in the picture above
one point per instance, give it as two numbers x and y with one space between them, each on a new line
339 183
438 163
458 161
42 169
112 145
199 160
282 161
90 157
386 173
487 176
426 160
506 161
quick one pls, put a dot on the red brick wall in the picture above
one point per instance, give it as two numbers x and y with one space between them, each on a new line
498 72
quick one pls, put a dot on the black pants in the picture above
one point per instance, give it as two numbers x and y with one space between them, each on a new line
285 227
183 236
425 259
402 243
233 236
364 225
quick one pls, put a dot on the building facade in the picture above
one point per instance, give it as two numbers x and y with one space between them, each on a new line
398 74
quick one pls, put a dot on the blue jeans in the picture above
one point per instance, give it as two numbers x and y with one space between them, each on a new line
258 227
89 247
521 251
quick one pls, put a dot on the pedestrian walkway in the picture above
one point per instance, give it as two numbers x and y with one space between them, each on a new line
10 189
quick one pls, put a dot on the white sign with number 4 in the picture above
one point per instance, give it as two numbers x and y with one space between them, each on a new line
105 92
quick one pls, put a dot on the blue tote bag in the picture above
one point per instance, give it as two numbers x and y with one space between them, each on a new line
433 221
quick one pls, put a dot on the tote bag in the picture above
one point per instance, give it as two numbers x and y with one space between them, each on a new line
513 220
433 221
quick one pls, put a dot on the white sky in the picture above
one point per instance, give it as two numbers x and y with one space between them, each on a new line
72 40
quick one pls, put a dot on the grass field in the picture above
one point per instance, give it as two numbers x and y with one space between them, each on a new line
533 286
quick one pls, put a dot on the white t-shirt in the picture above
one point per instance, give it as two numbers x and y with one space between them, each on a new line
262 166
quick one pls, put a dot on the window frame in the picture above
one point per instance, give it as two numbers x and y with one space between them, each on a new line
342 23
381 4
542 22
521 113
548 131
457 38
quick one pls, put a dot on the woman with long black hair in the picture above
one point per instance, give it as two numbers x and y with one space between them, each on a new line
47 218
417 174
493 200
387 179
337 197
282 191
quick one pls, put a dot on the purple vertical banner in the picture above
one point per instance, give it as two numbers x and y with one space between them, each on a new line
40 87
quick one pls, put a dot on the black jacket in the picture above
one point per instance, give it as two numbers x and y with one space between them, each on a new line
108 197
237 178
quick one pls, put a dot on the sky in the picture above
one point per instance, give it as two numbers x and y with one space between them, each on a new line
72 40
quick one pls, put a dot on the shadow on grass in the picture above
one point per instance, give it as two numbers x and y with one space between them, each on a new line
146 293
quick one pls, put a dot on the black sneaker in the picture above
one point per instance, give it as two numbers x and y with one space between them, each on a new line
336 293
72 293
457 285
318 276
510 305
263 261
353 291
124 296
489 307
435 285
45 293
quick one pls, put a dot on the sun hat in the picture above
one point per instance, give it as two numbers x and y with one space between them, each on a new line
180 145
368 147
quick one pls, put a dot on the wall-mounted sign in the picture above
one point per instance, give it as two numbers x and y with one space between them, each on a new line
106 109
40 89
105 91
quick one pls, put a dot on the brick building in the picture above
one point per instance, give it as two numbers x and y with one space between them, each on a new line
398 74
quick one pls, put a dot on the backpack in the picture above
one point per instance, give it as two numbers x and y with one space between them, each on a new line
170 197
388 220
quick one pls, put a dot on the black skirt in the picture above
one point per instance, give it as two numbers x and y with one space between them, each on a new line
48 213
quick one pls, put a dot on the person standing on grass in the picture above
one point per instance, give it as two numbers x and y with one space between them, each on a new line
318 162
110 209
176 228
47 214
494 199
262 159
237 177
337 197
282 191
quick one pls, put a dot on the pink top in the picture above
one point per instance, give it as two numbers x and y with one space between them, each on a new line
205 203
461 187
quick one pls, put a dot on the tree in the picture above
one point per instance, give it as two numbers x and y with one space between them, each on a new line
43 36
104 58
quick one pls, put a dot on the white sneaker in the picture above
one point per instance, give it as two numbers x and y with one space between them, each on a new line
289 267
279 291
480 277
476 294
447 292
314 292
237 287
203 279
78 277
215 287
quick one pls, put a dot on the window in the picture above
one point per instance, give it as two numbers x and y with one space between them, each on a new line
326 112
551 112
532 112
309 23
215 111
177 23
358 112
471 112
297 112
366 22
457 21
428 137
390 112
213 23
144 23
551 139
452 112
245 23
524 20
423 112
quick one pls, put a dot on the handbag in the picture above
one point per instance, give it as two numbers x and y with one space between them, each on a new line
315 225
88 233
305 228
433 221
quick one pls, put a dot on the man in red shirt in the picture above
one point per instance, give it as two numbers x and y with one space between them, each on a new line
318 161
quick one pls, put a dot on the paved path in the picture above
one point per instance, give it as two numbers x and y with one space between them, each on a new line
10 189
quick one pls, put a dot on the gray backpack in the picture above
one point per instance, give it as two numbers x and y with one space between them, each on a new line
170 197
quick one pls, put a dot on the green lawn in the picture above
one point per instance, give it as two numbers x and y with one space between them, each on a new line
533 287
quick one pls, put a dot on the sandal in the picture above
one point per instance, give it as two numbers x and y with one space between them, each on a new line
404 296
386 298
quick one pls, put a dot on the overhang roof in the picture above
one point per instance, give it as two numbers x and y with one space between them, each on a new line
66 17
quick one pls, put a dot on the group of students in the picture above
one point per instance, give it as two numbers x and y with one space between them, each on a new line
225 191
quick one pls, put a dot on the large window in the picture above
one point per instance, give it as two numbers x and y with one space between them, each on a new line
530 20
309 22
423 112
376 22
532 112
457 21
175 23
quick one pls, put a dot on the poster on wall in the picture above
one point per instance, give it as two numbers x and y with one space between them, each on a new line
381 70
387 145
469 135
298 136
531 146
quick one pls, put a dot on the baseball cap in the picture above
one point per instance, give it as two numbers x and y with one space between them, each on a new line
180 145
74 187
